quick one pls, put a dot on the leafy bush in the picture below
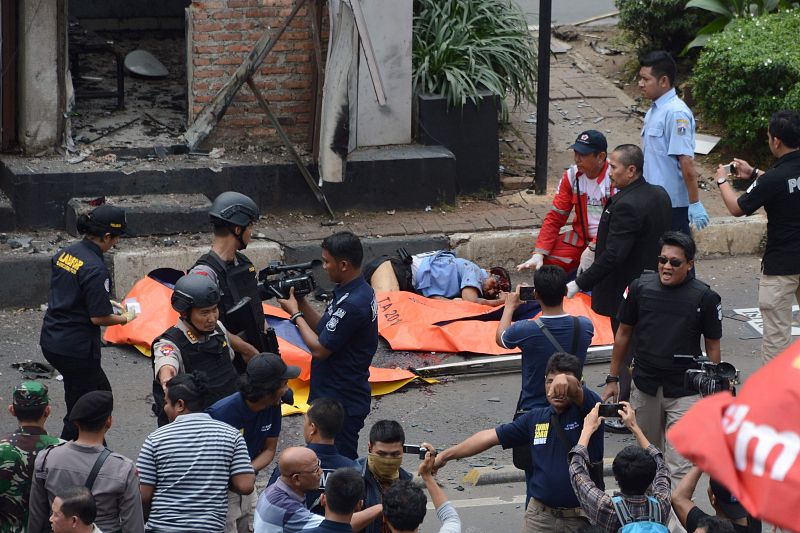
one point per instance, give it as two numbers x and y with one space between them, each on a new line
659 24
728 10
464 46
748 72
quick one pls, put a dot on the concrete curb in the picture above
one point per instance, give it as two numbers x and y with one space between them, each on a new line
494 475
27 275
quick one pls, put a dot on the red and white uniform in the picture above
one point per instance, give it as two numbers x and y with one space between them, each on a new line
586 197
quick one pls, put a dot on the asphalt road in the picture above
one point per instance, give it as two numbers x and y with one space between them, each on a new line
567 11
442 414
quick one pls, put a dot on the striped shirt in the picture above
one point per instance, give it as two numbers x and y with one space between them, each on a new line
190 461
282 510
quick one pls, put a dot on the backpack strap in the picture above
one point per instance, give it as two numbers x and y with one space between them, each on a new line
653 509
98 464
623 514
549 335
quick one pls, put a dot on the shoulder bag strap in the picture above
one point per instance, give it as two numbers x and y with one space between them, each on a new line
98 464
576 333
549 335
562 435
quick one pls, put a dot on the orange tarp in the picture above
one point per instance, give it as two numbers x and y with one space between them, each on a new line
412 322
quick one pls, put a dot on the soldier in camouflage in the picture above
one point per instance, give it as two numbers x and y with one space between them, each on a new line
30 405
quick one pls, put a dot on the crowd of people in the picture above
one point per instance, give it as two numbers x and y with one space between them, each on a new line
218 388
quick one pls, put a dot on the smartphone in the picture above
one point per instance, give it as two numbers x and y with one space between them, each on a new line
418 450
731 169
526 293
609 410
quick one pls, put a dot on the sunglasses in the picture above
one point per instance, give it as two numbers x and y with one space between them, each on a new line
672 261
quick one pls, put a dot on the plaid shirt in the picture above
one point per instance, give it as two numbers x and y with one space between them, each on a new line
597 504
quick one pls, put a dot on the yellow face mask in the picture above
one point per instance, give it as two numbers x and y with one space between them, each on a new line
384 468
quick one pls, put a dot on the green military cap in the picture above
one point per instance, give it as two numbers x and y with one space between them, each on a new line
30 394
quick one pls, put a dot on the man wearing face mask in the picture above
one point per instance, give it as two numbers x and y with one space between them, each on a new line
382 467
585 187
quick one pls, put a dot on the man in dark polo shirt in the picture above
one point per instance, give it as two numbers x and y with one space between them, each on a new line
778 191
553 505
343 340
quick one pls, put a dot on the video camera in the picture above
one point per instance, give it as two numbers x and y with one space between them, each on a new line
709 377
277 279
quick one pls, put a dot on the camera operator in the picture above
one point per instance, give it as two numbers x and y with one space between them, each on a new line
232 215
667 311
725 505
344 339
778 191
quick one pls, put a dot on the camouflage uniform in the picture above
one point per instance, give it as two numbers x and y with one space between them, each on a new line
17 454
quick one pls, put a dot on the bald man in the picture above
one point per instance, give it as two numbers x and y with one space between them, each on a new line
281 506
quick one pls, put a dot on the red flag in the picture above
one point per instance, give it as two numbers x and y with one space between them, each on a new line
750 443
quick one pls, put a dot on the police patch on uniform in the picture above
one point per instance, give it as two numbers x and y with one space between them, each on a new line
332 323
719 312
339 313
374 307
107 285
682 126
166 350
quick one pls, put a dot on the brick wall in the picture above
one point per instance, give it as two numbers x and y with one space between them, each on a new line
221 33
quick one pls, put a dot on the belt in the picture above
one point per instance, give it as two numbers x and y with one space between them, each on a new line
560 512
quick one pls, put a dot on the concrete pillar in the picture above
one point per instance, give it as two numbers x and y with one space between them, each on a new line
42 67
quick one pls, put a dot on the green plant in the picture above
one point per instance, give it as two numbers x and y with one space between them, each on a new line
746 73
728 10
462 47
659 24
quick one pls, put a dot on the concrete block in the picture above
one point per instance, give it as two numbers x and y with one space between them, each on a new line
515 183
151 214
495 248
732 236
26 279
130 266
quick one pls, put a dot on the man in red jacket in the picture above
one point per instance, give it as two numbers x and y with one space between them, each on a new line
585 187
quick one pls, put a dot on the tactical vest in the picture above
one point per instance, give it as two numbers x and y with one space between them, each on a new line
235 282
668 320
212 357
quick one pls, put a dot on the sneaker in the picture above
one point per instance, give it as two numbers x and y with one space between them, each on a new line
615 425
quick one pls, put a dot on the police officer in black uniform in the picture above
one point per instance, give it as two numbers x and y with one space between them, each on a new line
198 341
78 304
343 340
665 313
232 216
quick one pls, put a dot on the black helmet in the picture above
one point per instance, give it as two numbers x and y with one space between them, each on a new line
194 290
233 208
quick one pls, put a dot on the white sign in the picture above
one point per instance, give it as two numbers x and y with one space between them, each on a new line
757 323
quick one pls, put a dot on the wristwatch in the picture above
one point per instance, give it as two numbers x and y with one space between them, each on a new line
612 379
720 181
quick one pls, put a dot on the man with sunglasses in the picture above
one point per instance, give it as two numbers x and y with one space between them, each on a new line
668 311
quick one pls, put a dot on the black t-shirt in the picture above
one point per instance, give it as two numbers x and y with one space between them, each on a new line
648 377
79 290
695 514
778 191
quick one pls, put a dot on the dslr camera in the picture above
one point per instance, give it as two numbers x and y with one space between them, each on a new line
277 279
708 377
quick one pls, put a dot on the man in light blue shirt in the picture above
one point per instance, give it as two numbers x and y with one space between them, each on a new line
668 142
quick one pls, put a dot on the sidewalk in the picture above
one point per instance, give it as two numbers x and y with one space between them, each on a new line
500 231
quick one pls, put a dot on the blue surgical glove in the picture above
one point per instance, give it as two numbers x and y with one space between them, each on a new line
697 215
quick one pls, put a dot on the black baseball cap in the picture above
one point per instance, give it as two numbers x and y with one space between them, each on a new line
727 501
270 367
110 218
590 142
